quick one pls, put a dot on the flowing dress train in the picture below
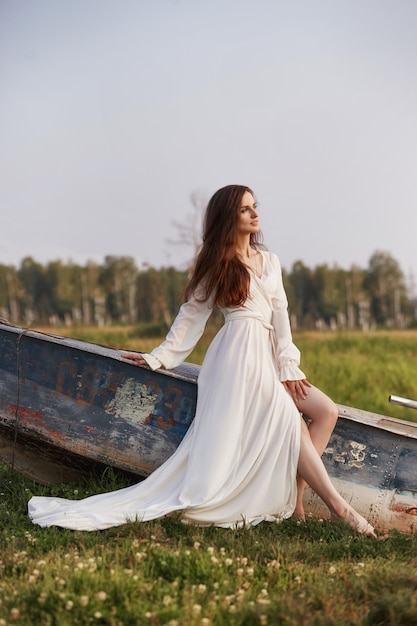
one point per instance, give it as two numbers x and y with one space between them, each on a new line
237 463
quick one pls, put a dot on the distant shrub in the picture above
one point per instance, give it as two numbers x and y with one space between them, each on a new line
149 330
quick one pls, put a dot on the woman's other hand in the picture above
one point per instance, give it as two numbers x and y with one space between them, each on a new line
298 389
136 357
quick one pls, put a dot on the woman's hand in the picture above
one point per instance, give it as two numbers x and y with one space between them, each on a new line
298 389
135 357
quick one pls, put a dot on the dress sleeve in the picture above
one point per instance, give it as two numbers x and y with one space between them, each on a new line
183 335
288 355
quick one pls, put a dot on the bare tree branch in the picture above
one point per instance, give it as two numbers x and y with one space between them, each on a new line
189 231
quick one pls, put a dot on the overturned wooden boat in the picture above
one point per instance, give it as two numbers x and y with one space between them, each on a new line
68 407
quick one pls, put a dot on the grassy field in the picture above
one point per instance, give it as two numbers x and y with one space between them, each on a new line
166 573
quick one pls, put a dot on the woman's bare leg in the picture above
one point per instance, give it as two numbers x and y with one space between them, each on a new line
323 413
312 470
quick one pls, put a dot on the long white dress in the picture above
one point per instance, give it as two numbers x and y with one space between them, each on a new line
237 463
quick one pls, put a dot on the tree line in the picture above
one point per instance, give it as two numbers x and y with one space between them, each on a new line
118 292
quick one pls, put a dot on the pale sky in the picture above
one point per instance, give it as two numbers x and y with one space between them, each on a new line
113 112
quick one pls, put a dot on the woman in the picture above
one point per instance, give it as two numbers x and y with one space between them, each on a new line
238 463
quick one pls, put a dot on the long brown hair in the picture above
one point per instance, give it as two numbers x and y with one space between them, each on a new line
218 270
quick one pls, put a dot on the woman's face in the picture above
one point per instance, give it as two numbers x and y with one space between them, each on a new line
248 222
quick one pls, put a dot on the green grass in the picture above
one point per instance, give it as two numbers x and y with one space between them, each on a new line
167 573
362 370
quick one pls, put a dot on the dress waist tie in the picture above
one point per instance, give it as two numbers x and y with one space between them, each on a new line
237 315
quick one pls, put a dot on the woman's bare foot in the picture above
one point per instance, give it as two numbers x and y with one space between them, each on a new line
357 522
299 513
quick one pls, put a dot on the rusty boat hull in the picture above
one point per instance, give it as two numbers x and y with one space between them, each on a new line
68 407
